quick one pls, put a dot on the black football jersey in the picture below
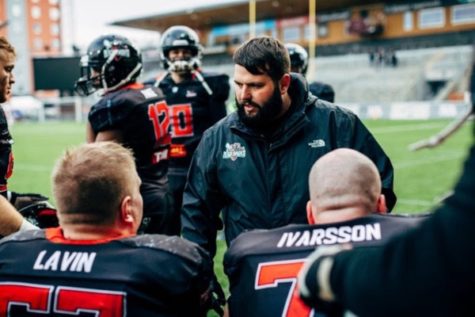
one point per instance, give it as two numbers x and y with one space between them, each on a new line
6 156
141 114
42 274
192 110
262 265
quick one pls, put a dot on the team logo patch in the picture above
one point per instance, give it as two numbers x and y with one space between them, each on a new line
233 151
190 94
317 143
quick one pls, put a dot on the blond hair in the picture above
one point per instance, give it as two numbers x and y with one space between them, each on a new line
90 181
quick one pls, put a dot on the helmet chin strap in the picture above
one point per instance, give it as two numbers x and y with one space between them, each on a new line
124 81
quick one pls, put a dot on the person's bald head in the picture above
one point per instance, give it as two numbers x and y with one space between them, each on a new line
344 184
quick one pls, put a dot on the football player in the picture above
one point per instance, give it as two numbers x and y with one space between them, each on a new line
133 115
10 220
427 271
94 264
196 100
345 206
299 64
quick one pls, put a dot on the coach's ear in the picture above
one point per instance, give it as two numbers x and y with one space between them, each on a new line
310 218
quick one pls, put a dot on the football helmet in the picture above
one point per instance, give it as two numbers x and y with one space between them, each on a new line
180 36
298 58
111 62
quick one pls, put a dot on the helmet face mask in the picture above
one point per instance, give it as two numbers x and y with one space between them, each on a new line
111 62
298 58
180 37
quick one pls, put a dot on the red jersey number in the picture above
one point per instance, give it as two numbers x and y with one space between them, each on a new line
182 120
67 300
270 274
158 114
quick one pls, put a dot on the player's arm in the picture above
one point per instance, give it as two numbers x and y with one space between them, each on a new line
10 219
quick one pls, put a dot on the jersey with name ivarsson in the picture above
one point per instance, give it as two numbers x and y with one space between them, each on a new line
262 265
146 275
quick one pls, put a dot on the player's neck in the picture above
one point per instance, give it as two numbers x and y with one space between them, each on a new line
339 214
85 232
180 77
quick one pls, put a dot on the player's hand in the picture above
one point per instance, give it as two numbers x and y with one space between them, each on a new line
22 200
314 280
218 299
41 214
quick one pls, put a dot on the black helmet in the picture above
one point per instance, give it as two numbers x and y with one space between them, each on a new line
298 57
180 36
114 58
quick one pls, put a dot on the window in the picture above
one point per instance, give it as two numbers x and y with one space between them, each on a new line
307 31
408 21
54 14
36 28
462 14
322 30
431 18
35 12
54 29
38 44
55 44
291 34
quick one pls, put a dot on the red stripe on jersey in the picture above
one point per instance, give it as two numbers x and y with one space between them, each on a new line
55 235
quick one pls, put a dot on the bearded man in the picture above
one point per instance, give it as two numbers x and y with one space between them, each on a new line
252 166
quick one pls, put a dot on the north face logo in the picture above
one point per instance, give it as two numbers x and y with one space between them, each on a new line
233 151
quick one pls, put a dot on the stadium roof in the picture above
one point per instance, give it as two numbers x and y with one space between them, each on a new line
234 12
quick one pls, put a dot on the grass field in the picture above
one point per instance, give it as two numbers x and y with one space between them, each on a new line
421 178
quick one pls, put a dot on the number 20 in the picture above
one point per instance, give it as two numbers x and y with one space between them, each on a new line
270 274
67 300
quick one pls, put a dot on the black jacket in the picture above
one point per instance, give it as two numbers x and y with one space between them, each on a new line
261 182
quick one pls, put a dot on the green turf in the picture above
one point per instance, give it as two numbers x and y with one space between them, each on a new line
421 178
36 148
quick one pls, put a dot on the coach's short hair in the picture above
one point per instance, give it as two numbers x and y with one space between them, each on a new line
90 181
263 55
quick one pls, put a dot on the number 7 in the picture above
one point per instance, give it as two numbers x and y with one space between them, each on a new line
270 274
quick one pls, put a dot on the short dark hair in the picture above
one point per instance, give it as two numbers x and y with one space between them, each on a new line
263 55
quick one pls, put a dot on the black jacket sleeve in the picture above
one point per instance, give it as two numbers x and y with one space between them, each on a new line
428 271
202 199
364 142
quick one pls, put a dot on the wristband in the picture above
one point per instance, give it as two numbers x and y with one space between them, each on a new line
26 225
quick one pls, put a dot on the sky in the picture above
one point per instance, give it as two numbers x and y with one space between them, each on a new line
85 20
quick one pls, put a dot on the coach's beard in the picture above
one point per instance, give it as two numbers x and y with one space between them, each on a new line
265 114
